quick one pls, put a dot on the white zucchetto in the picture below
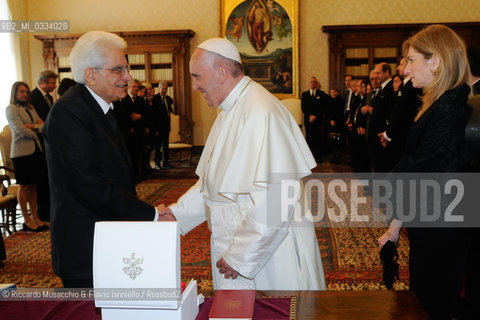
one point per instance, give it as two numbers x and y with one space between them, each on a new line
222 47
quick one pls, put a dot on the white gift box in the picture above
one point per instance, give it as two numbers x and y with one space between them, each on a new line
136 272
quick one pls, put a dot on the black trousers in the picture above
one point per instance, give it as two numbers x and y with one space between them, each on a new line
3 254
438 259
161 148
472 279
136 148
43 192
313 138
77 283
378 155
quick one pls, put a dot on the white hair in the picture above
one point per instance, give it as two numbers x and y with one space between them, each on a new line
91 50
147 85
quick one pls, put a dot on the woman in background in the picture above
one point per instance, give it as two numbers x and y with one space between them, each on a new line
26 152
397 83
436 62
336 127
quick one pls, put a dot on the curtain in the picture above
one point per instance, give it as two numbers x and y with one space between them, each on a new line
7 63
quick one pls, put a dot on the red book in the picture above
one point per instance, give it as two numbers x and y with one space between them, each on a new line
232 305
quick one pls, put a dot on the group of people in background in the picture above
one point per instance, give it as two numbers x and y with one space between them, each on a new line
372 120
413 122
143 118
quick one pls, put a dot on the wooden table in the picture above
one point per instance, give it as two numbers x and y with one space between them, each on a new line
318 305
356 305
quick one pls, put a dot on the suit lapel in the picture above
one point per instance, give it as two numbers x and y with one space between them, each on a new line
102 118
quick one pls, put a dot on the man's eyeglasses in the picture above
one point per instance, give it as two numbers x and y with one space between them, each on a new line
118 69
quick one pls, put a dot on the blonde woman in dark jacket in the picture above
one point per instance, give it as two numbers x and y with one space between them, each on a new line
437 62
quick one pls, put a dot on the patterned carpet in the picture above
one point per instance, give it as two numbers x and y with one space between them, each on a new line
350 255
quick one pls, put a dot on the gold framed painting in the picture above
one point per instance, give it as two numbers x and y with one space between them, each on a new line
266 35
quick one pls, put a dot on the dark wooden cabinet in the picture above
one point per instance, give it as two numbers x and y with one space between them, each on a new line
355 49
154 56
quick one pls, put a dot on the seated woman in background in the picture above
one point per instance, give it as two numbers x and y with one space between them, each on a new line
26 152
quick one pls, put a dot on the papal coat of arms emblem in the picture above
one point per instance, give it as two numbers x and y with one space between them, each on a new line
132 269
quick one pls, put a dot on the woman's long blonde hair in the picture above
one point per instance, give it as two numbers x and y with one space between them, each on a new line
453 70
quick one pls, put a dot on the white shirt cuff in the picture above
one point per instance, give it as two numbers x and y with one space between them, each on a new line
386 137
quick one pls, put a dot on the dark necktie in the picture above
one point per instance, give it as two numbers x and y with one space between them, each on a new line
49 99
164 100
113 124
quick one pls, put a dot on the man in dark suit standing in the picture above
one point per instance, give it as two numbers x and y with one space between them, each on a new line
363 120
474 61
404 109
163 106
42 101
91 177
381 103
136 109
315 104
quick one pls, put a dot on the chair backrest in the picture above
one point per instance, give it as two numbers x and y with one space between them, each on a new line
5 146
4 184
174 128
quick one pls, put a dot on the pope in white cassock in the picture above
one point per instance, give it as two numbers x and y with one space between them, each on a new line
253 142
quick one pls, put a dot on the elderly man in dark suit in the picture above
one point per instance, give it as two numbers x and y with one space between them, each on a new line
163 106
315 104
91 177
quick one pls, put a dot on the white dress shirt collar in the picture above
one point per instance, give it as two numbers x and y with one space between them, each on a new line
103 104
43 92
386 82
235 94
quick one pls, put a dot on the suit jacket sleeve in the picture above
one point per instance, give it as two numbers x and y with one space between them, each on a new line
170 103
90 165
382 104
17 125
405 107
40 104
361 118
303 103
